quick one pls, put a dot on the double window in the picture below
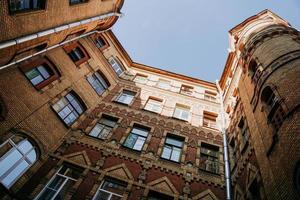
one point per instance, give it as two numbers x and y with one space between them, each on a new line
182 112
17 155
210 120
140 78
209 158
164 84
110 189
77 53
117 67
25 5
100 42
40 72
210 96
154 105
137 137
60 183
172 148
69 108
186 89
125 97
103 128
98 82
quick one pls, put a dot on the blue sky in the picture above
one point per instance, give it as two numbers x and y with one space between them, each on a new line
190 37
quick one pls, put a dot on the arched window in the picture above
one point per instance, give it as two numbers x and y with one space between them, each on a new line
69 108
100 42
77 53
274 110
40 72
18 154
254 70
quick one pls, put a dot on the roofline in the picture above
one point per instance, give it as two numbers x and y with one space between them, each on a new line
226 69
133 64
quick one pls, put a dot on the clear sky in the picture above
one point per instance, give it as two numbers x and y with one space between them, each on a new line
190 37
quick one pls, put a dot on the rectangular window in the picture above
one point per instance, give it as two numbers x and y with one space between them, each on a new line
100 42
110 189
98 82
103 128
126 97
210 119
76 54
185 89
137 137
163 84
140 78
209 157
172 148
117 67
39 74
25 5
154 105
182 112
243 129
210 96
60 183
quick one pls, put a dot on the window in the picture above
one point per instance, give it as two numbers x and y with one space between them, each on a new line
25 5
140 78
60 183
158 196
172 148
210 119
182 112
136 138
273 108
126 97
98 82
74 2
100 42
210 96
243 129
76 52
185 89
154 105
254 70
117 67
209 156
17 156
40 72
69 108
163 84
110 189
103 128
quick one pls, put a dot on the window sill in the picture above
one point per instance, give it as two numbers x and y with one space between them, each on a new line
170 161
182 120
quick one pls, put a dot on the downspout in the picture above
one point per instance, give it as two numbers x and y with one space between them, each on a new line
225 146
54 46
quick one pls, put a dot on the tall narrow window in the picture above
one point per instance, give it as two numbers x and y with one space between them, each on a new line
163 84
210 119
110 189
17 156
154 105
60 183
117 67
172 148
210 96
98 82
273 108
243 129
125 97
103 129
209 158
182 112
186 89
77 53
100 42
255 70
137 137
40 72
69 108
140 78
25 5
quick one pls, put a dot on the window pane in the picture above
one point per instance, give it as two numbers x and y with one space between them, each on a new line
130 141
70 118
56 182
96 130
15 173
60 104
101 79
43 71
176 154
62 193
77 106
140 131
31 156
108 122
65 112
9 160
114 186
166 152
174 142
102 195
139 143
47 194
24 146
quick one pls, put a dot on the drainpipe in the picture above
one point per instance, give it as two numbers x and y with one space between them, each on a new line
34 36
225 146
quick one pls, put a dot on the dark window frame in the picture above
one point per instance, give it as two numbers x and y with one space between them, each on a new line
76 45
138 136
105 126
31 9
134 94
77 3
210 153
172 146
105 86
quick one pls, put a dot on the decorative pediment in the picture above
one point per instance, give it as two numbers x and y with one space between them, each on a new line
80 157
163 184
120 171
205 195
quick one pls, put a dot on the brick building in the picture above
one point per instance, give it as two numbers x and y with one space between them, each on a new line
80 120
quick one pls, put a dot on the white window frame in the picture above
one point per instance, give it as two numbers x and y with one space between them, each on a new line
15 146
118 68
181 109
123 93
101 134
50 181
163 84
110 193
139 78
152 104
